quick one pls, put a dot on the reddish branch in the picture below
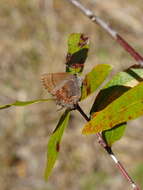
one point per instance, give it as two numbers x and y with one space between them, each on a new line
110 153
109 30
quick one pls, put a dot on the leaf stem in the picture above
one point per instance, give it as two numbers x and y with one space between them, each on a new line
110 152
120 40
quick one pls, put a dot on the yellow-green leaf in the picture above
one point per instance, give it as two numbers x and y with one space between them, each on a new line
117 86
94 79
127 107
78 45
24 103
54 143
114 134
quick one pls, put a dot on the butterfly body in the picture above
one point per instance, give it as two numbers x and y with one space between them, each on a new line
65 87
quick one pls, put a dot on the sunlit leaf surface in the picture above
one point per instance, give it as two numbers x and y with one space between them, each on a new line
78 45
117 86
94 79
54 143
114 134
24 103
127 107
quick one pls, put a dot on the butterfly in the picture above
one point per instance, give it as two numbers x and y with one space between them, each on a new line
65 87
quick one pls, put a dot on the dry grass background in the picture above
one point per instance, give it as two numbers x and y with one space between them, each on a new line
33 37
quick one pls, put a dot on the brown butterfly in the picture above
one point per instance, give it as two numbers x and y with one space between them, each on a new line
65 87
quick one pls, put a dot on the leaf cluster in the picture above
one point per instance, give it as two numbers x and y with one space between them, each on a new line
120 100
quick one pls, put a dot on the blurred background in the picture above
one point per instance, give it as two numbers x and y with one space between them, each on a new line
33 40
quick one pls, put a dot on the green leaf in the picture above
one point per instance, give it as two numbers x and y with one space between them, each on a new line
54 143
127 107
112 135
78 45
116 87
24 103
94 79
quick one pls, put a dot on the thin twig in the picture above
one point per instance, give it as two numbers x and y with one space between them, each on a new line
110 152
114 34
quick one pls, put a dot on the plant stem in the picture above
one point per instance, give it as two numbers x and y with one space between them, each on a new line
110 152
127 47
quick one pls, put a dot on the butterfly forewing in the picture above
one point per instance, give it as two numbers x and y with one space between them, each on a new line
54 80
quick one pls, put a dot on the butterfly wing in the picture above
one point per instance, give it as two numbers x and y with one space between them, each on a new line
64 86
53 81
